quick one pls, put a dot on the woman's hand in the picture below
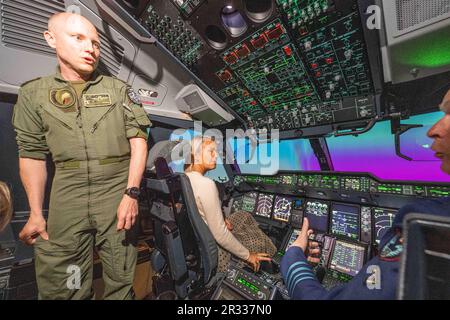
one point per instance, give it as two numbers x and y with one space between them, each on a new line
254 259
229 224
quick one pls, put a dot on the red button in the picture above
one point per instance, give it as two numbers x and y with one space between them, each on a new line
314 65
303 31
287 50
329 60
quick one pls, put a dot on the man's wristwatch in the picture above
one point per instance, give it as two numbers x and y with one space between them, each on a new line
133 192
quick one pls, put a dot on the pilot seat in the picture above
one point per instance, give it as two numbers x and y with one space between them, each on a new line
186 255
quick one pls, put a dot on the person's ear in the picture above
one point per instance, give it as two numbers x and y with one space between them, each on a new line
50 38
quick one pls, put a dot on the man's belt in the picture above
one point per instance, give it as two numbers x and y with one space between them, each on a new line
74 164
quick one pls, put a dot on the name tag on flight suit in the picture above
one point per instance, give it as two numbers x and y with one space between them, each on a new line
97 100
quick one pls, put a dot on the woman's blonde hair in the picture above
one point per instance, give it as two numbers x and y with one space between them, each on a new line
5 205
196 148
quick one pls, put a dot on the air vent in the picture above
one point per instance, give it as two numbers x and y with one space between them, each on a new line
111 55
414 12
23 23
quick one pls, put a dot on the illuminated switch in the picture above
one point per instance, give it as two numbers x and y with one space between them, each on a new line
332 86
231 58
308 45
259 42
329 60
303 31
317 8
266 70
287 50
276 32
348 54
328 94
243 51
314 65
337 78
225 76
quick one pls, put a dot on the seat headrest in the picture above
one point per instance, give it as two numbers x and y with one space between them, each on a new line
169 150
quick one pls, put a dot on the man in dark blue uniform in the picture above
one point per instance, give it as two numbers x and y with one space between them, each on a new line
378 278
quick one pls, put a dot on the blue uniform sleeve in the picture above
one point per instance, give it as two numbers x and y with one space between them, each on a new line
302 284
300 279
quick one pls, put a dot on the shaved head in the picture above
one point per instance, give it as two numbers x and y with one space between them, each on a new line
58 21
77 45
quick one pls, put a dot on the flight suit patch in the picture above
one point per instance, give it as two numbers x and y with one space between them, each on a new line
134 97
392 249
97 100
62 98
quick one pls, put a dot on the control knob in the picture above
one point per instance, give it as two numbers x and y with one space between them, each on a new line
261 295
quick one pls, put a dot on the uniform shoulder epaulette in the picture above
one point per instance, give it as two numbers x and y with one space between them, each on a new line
30 81
119 80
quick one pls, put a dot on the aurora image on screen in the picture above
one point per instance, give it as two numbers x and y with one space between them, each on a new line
374 152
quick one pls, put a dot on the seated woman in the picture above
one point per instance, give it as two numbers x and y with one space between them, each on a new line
240 234
5 205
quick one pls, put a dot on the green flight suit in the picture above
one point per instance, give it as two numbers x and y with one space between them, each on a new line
87 137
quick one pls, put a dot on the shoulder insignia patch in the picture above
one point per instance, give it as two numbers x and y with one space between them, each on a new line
134 97
392 249
62 98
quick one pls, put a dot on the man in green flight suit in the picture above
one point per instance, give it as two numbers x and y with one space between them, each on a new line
96 131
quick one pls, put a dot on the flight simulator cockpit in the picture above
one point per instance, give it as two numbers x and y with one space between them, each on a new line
320 110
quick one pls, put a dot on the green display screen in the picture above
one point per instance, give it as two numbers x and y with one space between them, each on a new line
270 180
249 285
252 179
439 192
389 189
